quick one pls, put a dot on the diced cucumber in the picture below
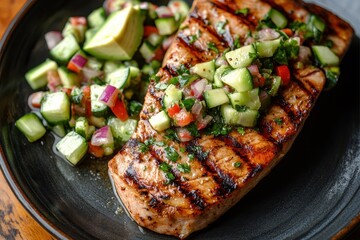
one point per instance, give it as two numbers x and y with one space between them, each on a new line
98 122
94 63
205 70
247 118
111 66
166 26
55 107
267 48
59 130
31 126
155 39
64 51
83 128
325 56
215 97
147 51
218 74
37 76
275 85
172 95
122 131
249 99
241 57
317 22
278 18
119 78
160 121
240 79
68 79
179 8
97 18
89 34
78 31
73 147
98 108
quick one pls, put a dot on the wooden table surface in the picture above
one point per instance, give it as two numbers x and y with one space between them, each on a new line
15 221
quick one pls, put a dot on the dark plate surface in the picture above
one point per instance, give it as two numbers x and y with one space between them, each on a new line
312 194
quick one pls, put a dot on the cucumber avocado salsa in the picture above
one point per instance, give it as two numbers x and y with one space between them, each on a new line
88 90
233 90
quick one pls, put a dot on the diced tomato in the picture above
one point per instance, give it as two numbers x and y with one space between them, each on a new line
53 79
119 110
201 122
183 118
174 109
96 151
158 54
35 99
258 82
86 101
287 31
66 90
72 67
183 134
148 30
284 72
75 21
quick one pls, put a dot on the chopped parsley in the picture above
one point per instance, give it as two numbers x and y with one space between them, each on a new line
172 154
212 46
193 38
329 43
237 164
241 130
243 11
236 43
192 128
292 49
171 134
182 70
220 27
165 167
186 79
184 167
76 95
154 78
241 108
191 156
279 121
187 103
143 148
182 149
170 176
280 56
161 86
134 108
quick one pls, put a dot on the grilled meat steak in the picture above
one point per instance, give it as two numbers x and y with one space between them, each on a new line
195 199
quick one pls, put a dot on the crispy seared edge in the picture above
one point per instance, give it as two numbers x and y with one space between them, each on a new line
198 198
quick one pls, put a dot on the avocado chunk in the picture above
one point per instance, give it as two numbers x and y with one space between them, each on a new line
119 37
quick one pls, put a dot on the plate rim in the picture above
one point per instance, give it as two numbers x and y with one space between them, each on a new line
37 215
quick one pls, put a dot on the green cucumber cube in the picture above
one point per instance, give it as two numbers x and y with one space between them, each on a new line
205 70
55 107
240 79
31 126
37 76
160 121
215 97
73 147
241 57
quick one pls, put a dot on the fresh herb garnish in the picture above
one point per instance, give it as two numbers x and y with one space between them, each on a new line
191 156
187 103
161 86
143 148
220 27
182 150
170 177
173 80
329 43
192 128
165 167
184 168
192 38
236 43
280 56
241 130
212 46
252 54
297 25
134 108
332 77
171 134
185 80
243 11
198 152
172 154
154 78
278 121
76 95
182 70
241 108
292 49
237 164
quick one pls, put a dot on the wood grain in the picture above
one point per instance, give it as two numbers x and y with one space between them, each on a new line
15 221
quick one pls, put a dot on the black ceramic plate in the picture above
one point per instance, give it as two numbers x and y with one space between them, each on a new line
312 194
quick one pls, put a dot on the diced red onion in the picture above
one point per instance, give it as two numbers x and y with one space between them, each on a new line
34 100
201 123
53 80
89 73
249 40
265 98
79 60
102 136
188 92
76 21
198 87
183 134
221 61
52 39
144 5
167 42
196 109
109 95
164 12
304 54
268 34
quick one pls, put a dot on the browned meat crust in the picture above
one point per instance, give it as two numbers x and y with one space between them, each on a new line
213 186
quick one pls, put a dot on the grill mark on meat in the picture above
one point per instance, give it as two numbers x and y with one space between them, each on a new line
226 184
237 147
193 196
